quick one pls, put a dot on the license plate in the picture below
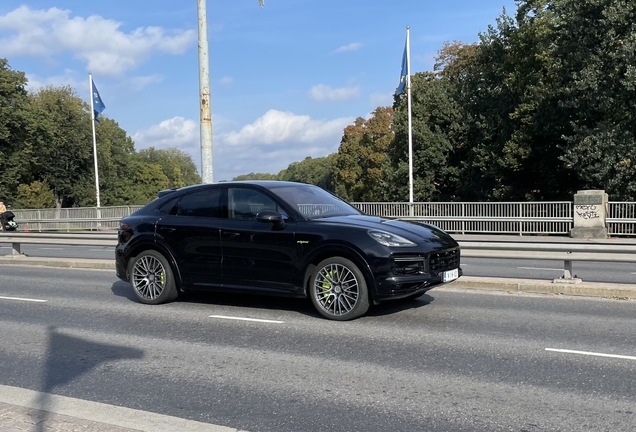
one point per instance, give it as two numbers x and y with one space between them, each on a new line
450 275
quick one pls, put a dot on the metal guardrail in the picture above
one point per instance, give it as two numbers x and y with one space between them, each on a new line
546 248
520 218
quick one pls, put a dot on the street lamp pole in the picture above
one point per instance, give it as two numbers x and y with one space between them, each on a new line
207 162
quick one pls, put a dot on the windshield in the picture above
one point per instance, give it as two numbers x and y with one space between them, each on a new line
314 202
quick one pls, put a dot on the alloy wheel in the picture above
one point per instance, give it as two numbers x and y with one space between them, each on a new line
336 289
149 277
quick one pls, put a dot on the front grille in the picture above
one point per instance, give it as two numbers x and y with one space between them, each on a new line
440 262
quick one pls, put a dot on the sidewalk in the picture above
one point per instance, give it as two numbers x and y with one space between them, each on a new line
20 410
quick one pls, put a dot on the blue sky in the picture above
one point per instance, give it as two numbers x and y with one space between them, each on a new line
285 79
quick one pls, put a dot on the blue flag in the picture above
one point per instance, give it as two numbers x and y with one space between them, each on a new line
98 104
403 74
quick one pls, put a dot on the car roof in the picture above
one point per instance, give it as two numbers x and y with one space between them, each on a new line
267 184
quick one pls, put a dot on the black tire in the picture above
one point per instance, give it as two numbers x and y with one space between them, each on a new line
152 279
338 289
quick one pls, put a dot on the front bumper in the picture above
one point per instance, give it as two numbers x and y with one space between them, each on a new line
408 274
397 287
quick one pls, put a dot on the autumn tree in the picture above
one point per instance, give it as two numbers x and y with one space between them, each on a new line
361 156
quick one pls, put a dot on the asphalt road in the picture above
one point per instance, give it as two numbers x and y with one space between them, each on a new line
512 268
451 361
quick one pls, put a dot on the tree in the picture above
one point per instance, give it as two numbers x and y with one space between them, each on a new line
437 133
256 176
596 86
36 195
361 156
63 138
177 165
316 171
16 147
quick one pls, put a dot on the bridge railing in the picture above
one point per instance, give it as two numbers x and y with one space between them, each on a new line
562 249
519 218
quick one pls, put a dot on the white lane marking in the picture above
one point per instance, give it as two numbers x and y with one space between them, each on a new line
246 319
23 299
51 248
539 268
589 353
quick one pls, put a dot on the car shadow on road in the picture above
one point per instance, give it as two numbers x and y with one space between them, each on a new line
256 301
123 289
394 306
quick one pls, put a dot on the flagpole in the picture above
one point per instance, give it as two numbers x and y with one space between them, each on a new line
92 97
408 90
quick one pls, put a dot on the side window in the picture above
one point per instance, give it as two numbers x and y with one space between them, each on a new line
244 204
201 204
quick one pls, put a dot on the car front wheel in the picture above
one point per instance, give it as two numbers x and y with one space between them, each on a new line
152 278
338 289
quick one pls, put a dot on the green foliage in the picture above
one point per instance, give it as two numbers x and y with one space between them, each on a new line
316 171
436 131
36 195
256 176
63 137
177 165
595 83
16 147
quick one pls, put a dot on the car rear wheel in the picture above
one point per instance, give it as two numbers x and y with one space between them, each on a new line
338 289
152 278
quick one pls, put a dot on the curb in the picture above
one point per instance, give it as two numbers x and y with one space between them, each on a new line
83 263
539 286
535 286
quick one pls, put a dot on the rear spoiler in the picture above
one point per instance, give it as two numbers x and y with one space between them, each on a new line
166 192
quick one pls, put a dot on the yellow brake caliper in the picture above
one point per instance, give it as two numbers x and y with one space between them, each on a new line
326 285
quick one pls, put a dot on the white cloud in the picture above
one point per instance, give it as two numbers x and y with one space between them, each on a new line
176 132
324 93
269 144
97 41
140 82
351 47
69 77
275 140
279 127
380 99
226 80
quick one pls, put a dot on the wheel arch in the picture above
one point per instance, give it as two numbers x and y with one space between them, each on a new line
149 244
341 251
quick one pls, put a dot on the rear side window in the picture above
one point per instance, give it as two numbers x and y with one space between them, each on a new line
205 203
166 207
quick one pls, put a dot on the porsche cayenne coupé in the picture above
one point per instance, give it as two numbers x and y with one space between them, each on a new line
281 238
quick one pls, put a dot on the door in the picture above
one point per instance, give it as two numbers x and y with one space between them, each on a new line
191 230
257 254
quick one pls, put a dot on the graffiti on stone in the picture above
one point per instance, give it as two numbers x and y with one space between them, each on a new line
586 211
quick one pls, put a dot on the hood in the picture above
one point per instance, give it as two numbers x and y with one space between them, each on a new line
418 232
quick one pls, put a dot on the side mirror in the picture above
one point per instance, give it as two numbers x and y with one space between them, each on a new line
271 217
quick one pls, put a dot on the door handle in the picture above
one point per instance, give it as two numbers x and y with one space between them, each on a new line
167 230
230 234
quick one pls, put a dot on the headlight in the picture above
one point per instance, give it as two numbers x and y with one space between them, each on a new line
388 239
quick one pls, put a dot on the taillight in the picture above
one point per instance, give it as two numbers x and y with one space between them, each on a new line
125 232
